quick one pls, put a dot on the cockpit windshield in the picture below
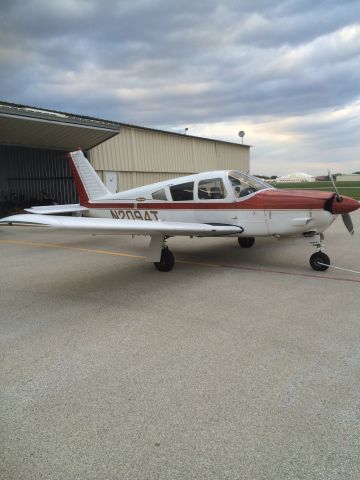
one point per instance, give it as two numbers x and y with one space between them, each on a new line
243 184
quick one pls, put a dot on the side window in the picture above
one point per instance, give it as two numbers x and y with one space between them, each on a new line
182 192
159 195
243 186
211 189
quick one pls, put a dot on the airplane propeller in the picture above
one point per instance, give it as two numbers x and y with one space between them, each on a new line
345 216
348 223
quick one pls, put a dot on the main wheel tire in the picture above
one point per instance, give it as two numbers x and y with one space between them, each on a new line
167 261
246 242
319 261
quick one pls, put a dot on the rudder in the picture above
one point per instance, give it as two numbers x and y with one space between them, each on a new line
87 181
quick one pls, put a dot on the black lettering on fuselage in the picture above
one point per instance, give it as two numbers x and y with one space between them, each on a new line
154 213
135 214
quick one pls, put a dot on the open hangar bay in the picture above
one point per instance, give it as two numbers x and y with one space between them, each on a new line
237 364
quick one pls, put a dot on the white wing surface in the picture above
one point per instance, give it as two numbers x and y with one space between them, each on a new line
103 226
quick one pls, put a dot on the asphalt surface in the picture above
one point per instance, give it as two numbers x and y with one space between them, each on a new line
238 364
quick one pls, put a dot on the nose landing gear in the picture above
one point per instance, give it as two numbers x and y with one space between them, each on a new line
319 261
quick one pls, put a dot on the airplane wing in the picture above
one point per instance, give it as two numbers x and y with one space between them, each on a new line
52 209
109 226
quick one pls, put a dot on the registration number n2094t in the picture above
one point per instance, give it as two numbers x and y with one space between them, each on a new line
135 214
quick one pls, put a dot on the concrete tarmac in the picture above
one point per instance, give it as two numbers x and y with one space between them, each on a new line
238 364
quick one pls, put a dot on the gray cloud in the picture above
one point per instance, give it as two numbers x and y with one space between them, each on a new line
162 63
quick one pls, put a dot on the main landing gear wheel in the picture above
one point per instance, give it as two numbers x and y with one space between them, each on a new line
319 261
167 261
246 242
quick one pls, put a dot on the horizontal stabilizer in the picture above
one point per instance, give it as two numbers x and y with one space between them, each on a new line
104 226
53 209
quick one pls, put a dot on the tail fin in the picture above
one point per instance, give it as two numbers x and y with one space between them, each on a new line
88 184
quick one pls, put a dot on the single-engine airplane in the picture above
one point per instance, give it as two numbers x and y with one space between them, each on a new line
210 204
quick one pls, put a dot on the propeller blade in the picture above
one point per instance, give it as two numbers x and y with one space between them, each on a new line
338 197
348 223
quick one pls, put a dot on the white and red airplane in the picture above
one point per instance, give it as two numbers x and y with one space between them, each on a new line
210 204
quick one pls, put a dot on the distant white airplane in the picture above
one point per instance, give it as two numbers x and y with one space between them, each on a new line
210 204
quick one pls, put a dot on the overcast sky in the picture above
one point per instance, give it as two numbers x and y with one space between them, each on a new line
286 72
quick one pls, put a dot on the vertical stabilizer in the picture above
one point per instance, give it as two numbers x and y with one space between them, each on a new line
87 181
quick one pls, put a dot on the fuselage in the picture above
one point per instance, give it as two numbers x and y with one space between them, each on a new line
226 198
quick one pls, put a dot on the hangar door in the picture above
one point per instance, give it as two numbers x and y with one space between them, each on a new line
31 176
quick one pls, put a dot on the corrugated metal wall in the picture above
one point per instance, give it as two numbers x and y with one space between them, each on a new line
28 172
154 156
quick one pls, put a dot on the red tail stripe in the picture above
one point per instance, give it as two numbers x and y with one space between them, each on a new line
83 196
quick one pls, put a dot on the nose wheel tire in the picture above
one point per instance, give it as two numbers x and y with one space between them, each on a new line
319 261
167 261
246 242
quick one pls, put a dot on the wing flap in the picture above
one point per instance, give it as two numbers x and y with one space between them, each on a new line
105 226
52 209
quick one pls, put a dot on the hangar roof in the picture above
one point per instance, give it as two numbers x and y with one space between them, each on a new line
34 127
24 125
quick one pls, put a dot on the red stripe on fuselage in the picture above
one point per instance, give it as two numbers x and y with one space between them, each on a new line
268 200
166 206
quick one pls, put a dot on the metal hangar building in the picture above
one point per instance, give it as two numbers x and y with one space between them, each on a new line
34 167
